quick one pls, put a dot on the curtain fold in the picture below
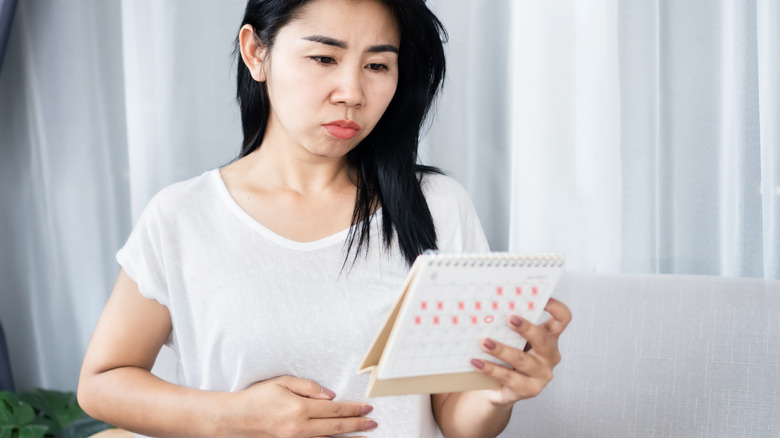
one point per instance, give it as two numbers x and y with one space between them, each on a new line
768 54
565 137
740 147
639 83
7 8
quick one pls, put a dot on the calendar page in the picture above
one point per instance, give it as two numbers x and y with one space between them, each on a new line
455 301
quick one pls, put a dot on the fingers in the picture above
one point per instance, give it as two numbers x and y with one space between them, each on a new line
335 418
327 417
351 436
560 317
327 427
302 408
305 387
333 409
522 362
518 385
338 426
529 372
541 340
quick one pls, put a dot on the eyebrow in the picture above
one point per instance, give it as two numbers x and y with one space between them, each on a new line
342 45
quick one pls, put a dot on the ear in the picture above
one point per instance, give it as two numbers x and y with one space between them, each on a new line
252 52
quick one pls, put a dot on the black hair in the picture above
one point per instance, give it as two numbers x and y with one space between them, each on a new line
388 174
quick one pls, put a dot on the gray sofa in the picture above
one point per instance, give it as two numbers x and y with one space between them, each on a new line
662 356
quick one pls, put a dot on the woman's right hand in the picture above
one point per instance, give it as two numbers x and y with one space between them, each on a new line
287 407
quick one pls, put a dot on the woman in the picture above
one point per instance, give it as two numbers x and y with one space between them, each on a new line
270 277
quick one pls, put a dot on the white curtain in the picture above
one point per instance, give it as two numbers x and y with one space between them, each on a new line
470 136
646 135
179 89
63 183
565 136
101 105
632 136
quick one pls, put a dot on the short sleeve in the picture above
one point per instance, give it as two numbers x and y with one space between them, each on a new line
142 255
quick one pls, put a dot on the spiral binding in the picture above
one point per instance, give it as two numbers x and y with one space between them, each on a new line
493 259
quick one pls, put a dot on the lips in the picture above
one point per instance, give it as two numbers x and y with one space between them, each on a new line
342 129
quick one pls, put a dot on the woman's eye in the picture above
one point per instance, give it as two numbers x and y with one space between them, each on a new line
323 59
377 67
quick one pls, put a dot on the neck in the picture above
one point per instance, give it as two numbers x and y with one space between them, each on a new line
286 165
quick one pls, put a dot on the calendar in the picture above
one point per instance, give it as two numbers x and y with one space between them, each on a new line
450 302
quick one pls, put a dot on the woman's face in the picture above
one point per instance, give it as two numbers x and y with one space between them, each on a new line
331 74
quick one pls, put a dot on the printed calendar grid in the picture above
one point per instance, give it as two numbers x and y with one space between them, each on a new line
440 332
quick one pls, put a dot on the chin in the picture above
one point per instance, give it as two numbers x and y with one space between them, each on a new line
334 149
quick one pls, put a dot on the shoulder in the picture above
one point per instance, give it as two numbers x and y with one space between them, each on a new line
436 185
453 213
192 187
183 197
444 193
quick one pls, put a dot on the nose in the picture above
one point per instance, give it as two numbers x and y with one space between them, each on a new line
348 88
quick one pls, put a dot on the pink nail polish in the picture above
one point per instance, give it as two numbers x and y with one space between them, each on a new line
328 392
516 321
478 363
370 425
489 344
365 409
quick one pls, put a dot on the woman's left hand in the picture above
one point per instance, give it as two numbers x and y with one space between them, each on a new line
531 370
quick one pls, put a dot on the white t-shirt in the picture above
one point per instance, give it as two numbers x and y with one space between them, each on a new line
248 305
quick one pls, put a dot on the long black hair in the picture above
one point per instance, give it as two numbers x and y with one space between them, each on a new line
388 174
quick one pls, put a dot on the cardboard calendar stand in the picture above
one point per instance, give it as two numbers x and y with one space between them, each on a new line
432 383
418 384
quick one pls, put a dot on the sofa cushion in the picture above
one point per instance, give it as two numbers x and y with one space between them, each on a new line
662 355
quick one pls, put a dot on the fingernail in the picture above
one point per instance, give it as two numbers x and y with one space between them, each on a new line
478 363
489 344
370 425
366 409
328 392
516 321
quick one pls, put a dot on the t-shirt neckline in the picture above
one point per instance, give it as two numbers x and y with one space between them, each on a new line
224 193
